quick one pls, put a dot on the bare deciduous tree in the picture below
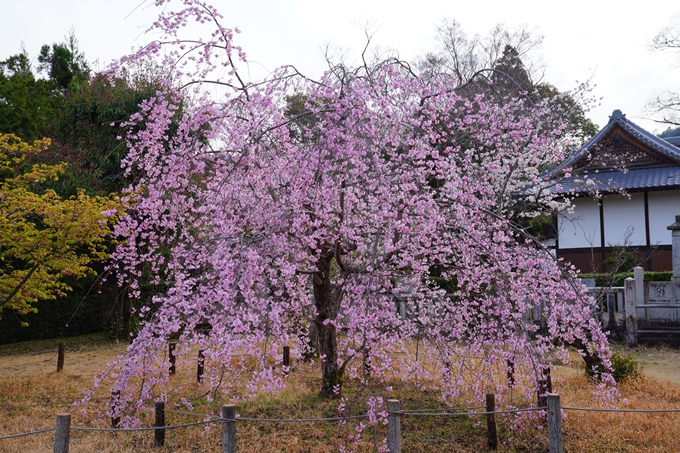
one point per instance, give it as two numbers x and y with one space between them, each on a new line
667 103
461 55
668 37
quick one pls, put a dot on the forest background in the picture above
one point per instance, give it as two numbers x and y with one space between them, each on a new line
59 94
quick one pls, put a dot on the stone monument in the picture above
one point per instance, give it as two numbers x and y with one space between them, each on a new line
675 229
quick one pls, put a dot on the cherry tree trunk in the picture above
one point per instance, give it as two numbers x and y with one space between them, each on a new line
327 305
331 377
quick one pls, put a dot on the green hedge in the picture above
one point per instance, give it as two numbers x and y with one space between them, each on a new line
602 279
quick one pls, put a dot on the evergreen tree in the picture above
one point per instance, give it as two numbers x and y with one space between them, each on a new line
27 104
63 62
510 77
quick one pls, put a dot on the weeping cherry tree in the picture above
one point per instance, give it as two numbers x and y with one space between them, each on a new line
374 206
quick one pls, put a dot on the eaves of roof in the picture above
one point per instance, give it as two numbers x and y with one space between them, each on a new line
612 181
617 118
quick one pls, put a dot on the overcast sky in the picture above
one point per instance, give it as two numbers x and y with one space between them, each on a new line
602 40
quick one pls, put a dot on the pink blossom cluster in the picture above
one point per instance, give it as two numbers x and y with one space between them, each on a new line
260 220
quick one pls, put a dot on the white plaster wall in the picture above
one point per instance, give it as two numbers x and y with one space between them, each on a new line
663 207
624 218
582 227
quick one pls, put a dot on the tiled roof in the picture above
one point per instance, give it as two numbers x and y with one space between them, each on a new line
609 181
617 118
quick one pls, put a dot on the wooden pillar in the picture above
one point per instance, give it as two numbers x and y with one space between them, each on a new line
548 380
554 424
602 240
171 356
394 426
200 366
286 360
511 373
228 428
60 357
115 397
62 434
367 362
159 433
491 434
541 394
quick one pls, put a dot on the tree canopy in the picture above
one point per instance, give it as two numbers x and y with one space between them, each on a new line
88 125
503 64
27 104
462 56
63 62
291 202
82 116
44 238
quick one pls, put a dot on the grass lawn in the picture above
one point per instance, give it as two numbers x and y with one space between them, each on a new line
32 393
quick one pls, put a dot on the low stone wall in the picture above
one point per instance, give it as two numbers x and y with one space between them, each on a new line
660 293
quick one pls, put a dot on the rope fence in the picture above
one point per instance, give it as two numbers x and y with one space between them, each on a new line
11 436
466 414
301 420
152 428
228 421
594 409
275 420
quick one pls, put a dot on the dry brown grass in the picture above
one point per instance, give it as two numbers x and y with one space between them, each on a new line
622 432
32 393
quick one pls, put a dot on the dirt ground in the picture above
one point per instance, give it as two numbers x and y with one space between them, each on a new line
661 363
88 355
79 359
31 392
45 363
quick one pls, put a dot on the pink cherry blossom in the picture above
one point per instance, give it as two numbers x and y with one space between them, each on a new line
259 221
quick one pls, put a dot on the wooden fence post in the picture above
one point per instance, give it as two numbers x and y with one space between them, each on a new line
159 434
60 357
62 434
286 360
447 369
228 428
491 434
511 373
631 312
541 393
548 380
367 361
200 366
554 424
115 396
394 426
171 356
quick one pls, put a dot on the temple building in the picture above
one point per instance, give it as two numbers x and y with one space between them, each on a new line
626 184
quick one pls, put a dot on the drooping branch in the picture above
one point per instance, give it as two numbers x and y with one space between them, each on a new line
346 198
20 284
